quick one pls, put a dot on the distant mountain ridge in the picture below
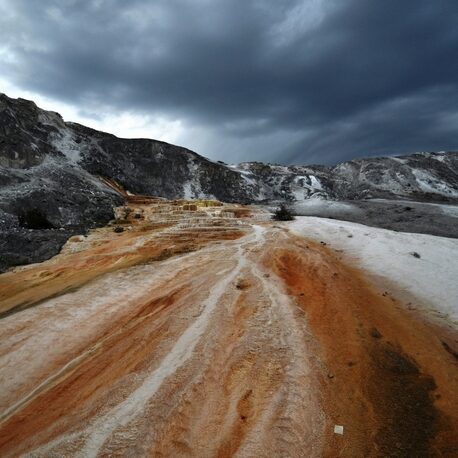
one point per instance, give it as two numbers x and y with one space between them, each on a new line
419 176
52 167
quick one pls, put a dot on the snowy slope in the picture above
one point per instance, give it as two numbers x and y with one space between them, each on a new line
389 255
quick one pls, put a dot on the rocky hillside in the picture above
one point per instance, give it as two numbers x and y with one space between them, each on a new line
431 177
50 186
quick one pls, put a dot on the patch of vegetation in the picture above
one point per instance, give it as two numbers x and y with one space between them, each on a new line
283 213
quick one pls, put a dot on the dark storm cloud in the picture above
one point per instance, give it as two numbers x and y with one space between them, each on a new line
287 81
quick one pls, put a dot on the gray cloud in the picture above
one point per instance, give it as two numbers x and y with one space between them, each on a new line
284 81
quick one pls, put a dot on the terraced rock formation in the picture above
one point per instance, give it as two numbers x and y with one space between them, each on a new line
193 328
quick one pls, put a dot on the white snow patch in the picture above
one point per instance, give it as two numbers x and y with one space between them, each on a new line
192 188
301 189
429 183
187 191
388 255
65 143
316 183
440 156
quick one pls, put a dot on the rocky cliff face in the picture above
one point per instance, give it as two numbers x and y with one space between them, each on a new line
50 186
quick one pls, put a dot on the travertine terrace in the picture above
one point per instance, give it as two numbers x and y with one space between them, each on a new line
195 328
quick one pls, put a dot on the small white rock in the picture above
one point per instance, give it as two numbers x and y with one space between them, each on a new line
338 429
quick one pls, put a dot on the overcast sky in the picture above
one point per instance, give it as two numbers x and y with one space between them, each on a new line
286 81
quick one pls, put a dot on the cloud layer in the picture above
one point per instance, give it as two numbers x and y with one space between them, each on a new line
284 81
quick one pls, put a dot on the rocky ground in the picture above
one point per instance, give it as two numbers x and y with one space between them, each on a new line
399 215
200 329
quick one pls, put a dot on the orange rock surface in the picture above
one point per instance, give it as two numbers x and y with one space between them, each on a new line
212 332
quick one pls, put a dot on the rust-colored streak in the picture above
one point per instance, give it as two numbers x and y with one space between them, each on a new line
388 380
77 395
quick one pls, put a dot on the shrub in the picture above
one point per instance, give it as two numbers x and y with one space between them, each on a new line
283 213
